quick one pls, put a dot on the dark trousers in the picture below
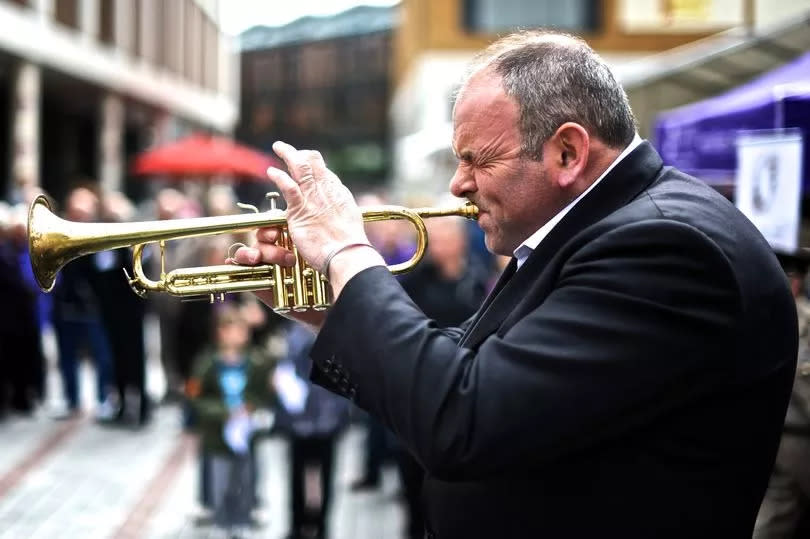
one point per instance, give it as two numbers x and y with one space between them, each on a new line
306 452
72 334
377 451
22 360
412 476
129 364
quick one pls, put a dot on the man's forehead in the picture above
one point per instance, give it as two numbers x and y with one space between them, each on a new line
482 86
482 102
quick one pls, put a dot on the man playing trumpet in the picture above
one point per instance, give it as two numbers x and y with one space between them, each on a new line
629 374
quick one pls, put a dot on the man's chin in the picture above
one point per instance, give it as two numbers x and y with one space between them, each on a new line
495 246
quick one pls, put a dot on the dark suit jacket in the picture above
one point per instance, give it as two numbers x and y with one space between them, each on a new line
629 381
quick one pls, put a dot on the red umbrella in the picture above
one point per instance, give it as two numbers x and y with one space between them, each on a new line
204 155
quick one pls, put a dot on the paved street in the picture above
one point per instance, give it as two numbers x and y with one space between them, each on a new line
79 479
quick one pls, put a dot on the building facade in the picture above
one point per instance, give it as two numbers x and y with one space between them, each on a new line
437 39
91 82
323 82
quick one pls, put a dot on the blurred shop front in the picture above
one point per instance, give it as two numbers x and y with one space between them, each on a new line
89 83
68 124
6 65
323 82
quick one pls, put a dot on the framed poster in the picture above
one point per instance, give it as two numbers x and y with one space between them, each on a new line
768 184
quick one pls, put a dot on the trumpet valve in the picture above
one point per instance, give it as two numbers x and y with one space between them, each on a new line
272 197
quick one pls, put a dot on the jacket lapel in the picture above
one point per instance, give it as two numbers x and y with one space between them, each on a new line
628 178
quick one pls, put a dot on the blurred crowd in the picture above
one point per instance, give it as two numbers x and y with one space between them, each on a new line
236 370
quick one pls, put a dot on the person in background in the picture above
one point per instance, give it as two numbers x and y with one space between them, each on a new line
785 510
220 200
313 418
172 204
21 358
9 280
124 313
43 301
230 387
77 315
450 284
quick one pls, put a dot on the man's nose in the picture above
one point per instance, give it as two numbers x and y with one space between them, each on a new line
461 183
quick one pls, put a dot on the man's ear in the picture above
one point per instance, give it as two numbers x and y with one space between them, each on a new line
568 151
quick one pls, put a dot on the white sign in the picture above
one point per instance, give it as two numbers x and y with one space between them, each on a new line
679 16
768 186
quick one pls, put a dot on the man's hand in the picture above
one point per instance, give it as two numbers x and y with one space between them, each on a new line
322 218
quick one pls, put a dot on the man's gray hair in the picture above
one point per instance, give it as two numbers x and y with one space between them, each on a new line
557 78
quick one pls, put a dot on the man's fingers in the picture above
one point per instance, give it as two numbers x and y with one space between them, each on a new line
304 165
272 254
282 180
300 169
267 235
285 152
316 162
289 189
247 256
264 253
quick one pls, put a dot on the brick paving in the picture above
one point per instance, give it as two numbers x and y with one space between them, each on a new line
106 482
80 479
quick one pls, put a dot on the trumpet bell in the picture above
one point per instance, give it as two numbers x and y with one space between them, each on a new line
48 245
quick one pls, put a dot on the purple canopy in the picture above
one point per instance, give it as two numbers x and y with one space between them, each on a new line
700 138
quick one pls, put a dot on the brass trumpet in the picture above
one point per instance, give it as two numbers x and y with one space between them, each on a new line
53 242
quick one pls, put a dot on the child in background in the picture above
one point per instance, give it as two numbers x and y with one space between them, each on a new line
230 386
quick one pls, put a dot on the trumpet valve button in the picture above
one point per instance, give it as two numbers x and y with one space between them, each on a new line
272 196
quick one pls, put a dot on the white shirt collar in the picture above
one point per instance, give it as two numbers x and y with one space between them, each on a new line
530 244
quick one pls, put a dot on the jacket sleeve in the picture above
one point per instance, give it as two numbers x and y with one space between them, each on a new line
635 326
